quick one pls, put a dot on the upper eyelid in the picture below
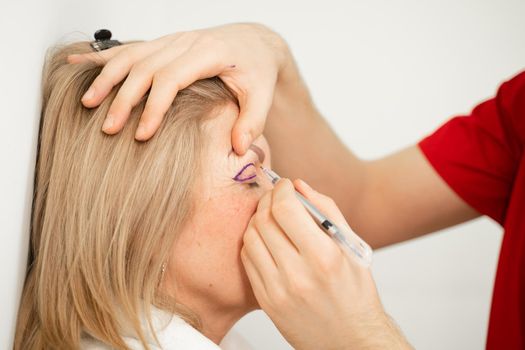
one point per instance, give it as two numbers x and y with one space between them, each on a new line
258 151
238 177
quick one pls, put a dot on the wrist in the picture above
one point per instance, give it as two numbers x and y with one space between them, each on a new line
288 71
381 332
291 91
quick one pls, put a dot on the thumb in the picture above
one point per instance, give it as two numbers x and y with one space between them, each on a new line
252 118
325 204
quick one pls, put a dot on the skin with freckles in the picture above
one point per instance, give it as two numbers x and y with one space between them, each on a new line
205 272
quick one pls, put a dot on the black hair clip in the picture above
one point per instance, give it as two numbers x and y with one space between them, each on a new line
103 40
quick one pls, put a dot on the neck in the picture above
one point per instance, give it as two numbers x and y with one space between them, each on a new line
216 323
216 320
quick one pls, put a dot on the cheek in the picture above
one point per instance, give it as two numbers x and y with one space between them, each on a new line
223 237
214 239
230 215
207 260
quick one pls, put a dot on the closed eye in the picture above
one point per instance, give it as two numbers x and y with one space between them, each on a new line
247 173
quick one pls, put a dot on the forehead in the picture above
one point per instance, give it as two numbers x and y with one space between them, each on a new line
216 156
218 126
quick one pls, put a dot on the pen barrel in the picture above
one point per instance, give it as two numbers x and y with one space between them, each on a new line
351 243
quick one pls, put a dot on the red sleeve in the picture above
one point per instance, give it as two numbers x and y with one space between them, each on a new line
478 155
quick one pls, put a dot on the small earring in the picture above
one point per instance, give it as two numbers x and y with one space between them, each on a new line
162 270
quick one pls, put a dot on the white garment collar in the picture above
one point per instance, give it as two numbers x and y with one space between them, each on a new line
173 333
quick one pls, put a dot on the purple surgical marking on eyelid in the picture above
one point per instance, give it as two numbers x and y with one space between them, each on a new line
246 179
238 177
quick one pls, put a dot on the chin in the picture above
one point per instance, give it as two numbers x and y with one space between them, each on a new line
238 292
250 301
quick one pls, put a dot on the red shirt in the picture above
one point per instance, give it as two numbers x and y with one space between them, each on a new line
480 156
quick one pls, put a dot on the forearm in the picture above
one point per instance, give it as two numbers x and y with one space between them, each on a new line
385 201
404 198
304 146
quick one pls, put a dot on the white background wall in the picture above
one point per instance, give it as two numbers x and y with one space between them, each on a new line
384 73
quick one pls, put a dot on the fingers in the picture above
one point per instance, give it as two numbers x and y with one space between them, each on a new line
135 87
325 204
299 226
116 69
201 54
280 247
328 207
179 74
255 278
99 57
252 118
258 254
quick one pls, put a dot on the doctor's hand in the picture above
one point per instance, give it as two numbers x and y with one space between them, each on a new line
318 297
248 58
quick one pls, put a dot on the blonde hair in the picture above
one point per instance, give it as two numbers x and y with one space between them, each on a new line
106 209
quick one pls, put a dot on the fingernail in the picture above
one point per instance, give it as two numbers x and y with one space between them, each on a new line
89 94
141 131
108 123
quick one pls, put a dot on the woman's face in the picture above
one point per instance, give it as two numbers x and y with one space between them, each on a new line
205 264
